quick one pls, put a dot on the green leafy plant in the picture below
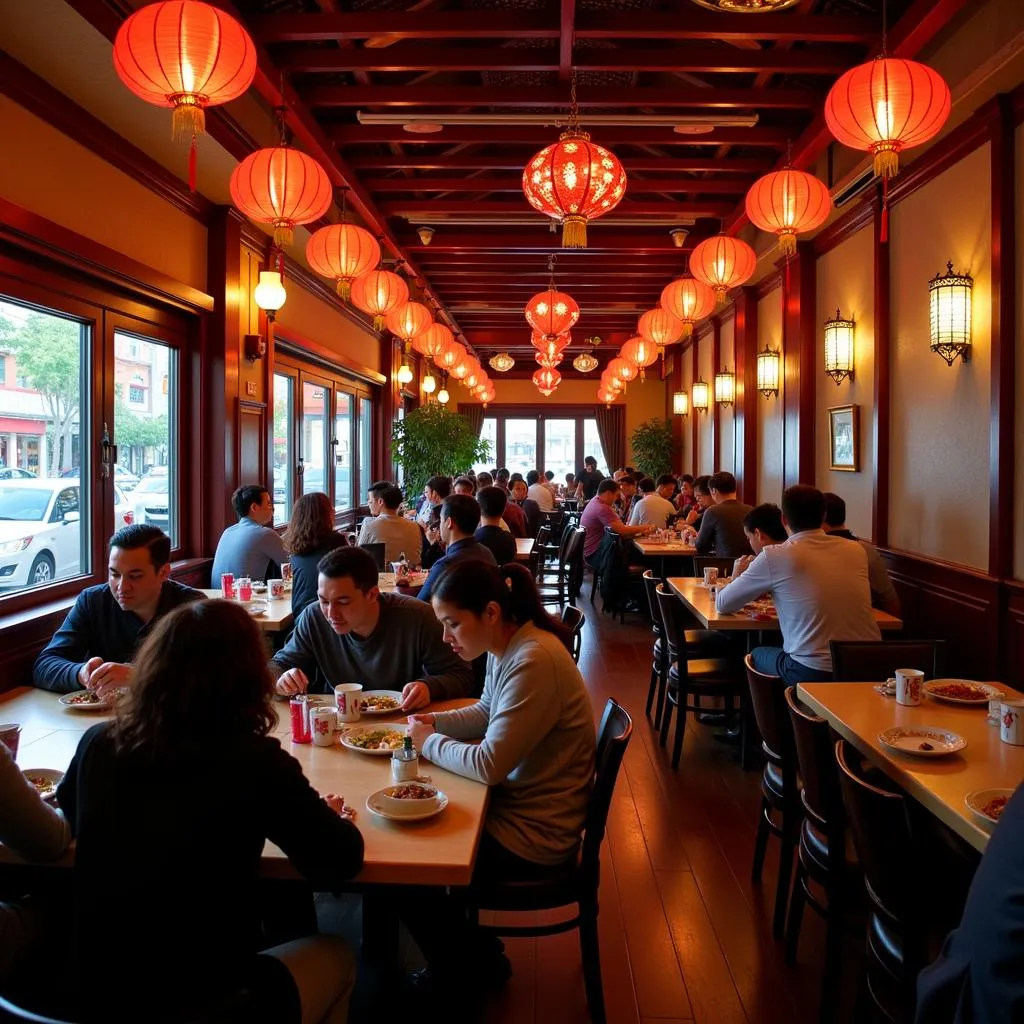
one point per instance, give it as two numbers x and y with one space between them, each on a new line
432 439
652 447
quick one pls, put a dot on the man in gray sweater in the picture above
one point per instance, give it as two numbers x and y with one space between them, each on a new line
721 528
355 634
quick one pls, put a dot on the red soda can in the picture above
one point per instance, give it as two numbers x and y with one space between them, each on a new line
299 707
227 584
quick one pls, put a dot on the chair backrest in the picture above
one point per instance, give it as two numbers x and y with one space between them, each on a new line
651 590
537 554
673 623
574 619
768 700
572 561
815 754
702 562
376 552
869 661
613 737
552 519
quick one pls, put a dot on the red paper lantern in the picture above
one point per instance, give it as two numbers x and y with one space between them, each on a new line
549 362
689 301
622 370
786 203
378 292
546 380
640 352
722 263
606 396
660 327
574 181
434 341
283 187
342 252
886 106
452 357
552 313
462 368
409 320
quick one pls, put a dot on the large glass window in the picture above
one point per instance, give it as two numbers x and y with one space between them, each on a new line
488 434
314 436
343 450
560 447
365 448
521 445
592 446
284 448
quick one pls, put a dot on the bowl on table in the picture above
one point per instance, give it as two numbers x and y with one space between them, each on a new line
409 801
83 700
45 780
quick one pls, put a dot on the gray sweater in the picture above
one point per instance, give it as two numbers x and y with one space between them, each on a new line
536 746
406 645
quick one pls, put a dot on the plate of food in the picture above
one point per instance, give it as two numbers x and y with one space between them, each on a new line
961 691
83 700
46 781
922 741
381 741
380 702
988 804
407 801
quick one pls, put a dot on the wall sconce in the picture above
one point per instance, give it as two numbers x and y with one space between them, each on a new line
426 234
269 294
725 387
950 296
839 348
405 373
254 346
681 403
429 384
768 372
701 395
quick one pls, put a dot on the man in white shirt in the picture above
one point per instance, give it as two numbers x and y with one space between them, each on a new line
385 526
654 508
820 587
539 492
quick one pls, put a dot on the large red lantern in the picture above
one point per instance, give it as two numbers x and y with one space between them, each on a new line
546 380
451 357
378 292
689 301
640 352
886 106
660 327
283 187
463 367
434 341
546 360
343 252
552 312
605 395
622 370
574 181
187 56
722 263
787 202
409 320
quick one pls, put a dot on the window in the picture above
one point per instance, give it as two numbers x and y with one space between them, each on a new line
365 448
520 445
560 447
284 447
592 446
343 451
136 394
3 370
314 436
489 434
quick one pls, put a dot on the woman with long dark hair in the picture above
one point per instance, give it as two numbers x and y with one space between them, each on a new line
171 804
309 536
530 737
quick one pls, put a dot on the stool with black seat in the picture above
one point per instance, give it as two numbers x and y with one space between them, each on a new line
869 661
690 677
574 619
781 812
576 883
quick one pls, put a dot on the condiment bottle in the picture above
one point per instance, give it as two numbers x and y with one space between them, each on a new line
405 763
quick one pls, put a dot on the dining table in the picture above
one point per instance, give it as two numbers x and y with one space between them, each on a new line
271 614
859 714
663 550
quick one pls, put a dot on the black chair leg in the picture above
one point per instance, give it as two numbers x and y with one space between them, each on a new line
662 686
590 950
760 843
796 914
666 718
652 688
830 978
788 841
677 743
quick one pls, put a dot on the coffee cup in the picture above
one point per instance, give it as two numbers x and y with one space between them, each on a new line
348 698
286 571
276 589
10 734
323 724
1011 726
908 686
710 576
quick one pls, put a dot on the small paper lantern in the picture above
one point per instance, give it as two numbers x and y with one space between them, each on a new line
640 352
701 395
786 203
689 301
409 320
378 292
552 313
547 380
660 327
342 252
722 263
451 357
434 341
623 370
606 396
681 403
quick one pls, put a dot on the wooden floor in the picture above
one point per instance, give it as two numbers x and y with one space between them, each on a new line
685 934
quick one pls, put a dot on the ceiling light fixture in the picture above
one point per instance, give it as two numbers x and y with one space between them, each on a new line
502 362
585 362
746 6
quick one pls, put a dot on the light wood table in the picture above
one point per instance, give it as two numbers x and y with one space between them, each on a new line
438 851
386 583
278 616
524 548
650 547
859 713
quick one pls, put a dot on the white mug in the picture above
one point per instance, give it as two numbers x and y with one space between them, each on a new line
908 686
348 697
710 575
1011 728
276 588
323 724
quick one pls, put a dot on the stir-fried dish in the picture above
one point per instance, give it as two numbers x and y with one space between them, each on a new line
376 739
44 786
994 808
959 691
411 793
381 703
85 697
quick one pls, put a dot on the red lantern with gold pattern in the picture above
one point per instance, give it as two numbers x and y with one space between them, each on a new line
546 380
342 252
378 292
552 313
689 300
722 263
786 203
548 362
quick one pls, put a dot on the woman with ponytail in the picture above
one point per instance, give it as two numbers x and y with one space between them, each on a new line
530 737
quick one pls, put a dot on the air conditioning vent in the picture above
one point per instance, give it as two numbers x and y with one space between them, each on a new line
853 188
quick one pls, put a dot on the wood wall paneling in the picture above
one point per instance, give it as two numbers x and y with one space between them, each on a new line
745 416
800 319
716 416
881 437
252 440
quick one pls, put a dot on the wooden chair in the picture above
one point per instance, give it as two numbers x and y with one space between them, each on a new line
780 796
377 552
868 661
690 679
557 552
575 620
537 554
702 562
577 883
564 589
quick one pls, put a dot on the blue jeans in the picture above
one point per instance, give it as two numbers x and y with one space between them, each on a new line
773 661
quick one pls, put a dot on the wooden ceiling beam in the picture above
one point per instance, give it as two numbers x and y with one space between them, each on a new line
418 209
501 135
601 238
720 186
514 162
566 39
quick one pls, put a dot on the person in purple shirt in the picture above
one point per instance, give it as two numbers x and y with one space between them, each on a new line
599 513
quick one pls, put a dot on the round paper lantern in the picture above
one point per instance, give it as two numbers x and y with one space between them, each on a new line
606 396
378 292
786 203
689 301
660 327
552 313
409 320
342 252
640 352
451 357
574 181
434 341
722 263
610 381
623 370
473 378
462 368
283 187
546 380
886 106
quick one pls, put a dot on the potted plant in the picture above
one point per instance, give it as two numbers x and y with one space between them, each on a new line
433 439
652 447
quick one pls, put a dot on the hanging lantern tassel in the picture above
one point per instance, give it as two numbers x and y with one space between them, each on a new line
188 118
787 244
344 289
283 234
574 232
883 231
687 330
887 161
192 166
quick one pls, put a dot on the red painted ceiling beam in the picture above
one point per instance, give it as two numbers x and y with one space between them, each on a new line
512 162
566 39
600 238
418 209
720 186
456 265
499 135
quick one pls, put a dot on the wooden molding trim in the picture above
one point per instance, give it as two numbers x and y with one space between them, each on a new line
294 343
799 324
846 225
745 407
768 284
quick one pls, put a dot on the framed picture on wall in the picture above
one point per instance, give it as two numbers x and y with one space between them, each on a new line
844 438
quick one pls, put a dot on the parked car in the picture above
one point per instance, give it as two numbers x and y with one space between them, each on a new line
124 512
40 532
16 473
127 480
152 502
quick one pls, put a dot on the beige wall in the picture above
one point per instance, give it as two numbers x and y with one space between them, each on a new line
706 450
769 410
689 455
940 415
727 443
846 281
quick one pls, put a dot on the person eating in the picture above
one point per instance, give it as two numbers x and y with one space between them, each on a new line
460 516
251 547
309 536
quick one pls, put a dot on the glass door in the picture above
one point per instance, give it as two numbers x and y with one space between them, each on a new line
342 447
313 433
520 445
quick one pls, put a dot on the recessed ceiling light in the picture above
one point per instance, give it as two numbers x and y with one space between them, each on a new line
423 127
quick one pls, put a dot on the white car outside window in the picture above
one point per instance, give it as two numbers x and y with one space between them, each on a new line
40 532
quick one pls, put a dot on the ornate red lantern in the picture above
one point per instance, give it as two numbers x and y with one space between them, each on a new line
640 352
787 202
378 292
552 313
434 341
409 320
342 252
689 301
722 263
187 56
660 327
549 362
546 380
886 106
605 395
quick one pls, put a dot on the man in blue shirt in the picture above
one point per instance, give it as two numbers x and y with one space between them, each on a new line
250 547
94 647
460 516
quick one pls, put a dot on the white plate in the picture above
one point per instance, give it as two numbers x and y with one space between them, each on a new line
374 808
257 608
976 801
358 730
381 693
991 692
50 774
909 740
66 700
